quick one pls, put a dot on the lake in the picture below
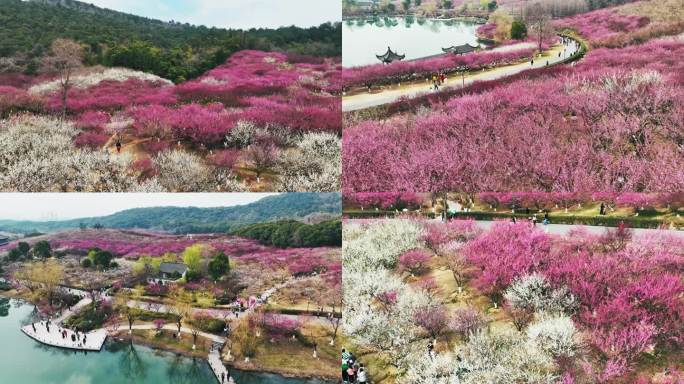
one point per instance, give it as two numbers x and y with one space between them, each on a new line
363 38
25 361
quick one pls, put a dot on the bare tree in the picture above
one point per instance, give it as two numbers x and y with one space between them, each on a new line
262 157
66 56
458 266
538 18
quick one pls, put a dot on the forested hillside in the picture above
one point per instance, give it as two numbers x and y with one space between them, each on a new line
196 220
292 233
170 49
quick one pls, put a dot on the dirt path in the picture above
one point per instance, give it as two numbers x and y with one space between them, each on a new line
393 93
129 145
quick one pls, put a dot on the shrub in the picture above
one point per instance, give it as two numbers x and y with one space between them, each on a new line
434 320
556 335
415 261
467 321
533 292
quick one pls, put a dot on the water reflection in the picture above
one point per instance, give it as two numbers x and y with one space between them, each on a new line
415 36
118 362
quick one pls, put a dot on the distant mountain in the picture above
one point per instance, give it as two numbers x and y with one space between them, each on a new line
173 50
287 206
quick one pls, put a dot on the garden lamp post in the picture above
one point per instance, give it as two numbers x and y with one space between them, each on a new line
463 70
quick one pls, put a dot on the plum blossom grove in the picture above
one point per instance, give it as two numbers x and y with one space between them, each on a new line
560 308
419 69
134 244
610 123
261 120
516 200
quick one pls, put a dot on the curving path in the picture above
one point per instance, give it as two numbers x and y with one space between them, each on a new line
392 94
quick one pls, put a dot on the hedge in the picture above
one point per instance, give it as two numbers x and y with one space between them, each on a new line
359 214
605 221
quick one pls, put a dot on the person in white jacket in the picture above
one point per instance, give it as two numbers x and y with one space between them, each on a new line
362 378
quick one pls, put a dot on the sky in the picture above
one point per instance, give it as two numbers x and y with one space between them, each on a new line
62 206
236 14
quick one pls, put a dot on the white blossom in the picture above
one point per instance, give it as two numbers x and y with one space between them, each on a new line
37 155
180 171
242 134
381 243
503 355
314 165
94 78
556 335
536 293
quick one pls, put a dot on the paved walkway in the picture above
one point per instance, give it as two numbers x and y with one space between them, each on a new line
564 229
392 94
39 332
74 309
217 366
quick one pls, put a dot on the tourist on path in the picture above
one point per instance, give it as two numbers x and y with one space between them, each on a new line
118 146
351 375
345 355
345 375
362 379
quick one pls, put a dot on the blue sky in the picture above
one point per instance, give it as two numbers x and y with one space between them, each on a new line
60 206
232 13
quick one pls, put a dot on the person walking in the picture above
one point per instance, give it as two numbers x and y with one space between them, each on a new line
345 375
118 146
345 355
602 209
351 374
362 378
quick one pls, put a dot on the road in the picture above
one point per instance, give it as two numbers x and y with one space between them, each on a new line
564 229
392 94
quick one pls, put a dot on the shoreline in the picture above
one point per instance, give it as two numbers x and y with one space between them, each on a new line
123 336
474 19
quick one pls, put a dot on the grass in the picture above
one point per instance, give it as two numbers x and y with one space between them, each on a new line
290 357
166 341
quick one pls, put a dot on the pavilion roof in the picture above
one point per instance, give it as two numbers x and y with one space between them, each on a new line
460 49
390 56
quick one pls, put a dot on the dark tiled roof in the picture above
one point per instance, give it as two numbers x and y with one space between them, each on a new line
460 49
173 267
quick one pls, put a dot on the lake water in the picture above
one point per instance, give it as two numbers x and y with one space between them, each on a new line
25 361
364 38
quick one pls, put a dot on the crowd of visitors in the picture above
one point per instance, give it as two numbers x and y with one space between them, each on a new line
353 371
